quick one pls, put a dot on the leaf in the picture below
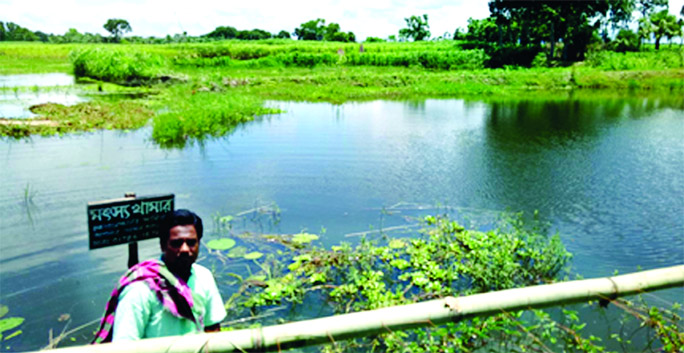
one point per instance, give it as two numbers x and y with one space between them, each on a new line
253 255
221 244
10 323
13 334
304 238
3 310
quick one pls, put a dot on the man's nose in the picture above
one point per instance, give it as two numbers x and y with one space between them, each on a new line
185 247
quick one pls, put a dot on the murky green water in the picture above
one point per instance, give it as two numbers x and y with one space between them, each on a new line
607 174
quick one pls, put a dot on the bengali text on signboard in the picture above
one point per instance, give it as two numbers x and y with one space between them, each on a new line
126 220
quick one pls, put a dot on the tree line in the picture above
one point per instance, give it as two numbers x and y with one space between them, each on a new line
517 30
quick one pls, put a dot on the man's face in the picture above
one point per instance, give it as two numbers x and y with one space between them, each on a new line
181 249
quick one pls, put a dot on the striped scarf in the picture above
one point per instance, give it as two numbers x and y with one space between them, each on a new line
172 292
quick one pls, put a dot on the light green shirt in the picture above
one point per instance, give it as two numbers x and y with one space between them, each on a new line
140 314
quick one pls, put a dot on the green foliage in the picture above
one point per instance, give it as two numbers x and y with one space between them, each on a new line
117 27
283 35
417 28
311 30
222 32
445 259
9 324
660 24
255 34
197 113
125 66
625 40
11 31
637 60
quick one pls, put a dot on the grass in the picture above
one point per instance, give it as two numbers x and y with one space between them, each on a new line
226 82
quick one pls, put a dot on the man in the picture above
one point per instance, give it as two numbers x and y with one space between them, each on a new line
170 297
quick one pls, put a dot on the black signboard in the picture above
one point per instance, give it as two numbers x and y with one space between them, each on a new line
126 220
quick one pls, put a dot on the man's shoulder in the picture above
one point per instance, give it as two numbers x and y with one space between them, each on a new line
201 272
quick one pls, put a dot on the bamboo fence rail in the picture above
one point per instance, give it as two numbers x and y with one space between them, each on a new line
339 327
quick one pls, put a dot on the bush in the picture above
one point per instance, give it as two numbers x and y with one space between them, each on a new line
125 66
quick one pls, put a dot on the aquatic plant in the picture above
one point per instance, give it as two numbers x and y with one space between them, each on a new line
126 66
445 259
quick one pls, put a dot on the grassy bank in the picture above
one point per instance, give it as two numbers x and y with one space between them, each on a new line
207 89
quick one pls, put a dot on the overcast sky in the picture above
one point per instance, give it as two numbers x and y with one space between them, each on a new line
378 18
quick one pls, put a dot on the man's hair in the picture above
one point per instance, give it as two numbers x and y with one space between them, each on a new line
180 217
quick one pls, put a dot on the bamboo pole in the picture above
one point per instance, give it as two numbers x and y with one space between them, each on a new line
333 328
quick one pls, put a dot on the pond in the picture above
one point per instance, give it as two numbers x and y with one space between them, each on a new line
605 173
15 100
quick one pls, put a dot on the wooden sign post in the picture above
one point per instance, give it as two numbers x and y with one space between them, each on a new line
127 220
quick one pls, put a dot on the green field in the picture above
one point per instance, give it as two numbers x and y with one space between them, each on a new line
200 90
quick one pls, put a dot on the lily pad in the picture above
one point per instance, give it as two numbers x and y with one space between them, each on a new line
10 323
304 238
239 251
226 219
253 255
3 310
221 244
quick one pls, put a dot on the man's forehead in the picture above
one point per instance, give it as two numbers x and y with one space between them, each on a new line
183 230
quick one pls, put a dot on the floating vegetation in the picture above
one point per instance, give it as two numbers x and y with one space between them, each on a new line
221 244
253 255
9 324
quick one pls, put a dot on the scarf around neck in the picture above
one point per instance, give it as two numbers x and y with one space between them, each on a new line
172 292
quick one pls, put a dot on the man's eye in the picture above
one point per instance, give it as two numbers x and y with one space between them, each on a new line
177 243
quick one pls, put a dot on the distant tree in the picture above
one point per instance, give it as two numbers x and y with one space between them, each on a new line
283 34
417 28
392 38
117 27
254 34
311 30
664 25
626 40
620 13
15 32
484 30
374 40
222 32
459 34
2 31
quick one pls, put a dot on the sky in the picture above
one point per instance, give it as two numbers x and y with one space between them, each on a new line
377 18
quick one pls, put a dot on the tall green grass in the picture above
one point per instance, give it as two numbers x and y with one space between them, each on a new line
649 60
123 65
190 114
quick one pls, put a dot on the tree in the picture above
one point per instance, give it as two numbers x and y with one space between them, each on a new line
117 27
311 30
222 32
283 34
626 40
648 7
254 34
533 22
417 28
664 25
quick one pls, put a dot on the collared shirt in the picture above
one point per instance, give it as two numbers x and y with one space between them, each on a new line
140 314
